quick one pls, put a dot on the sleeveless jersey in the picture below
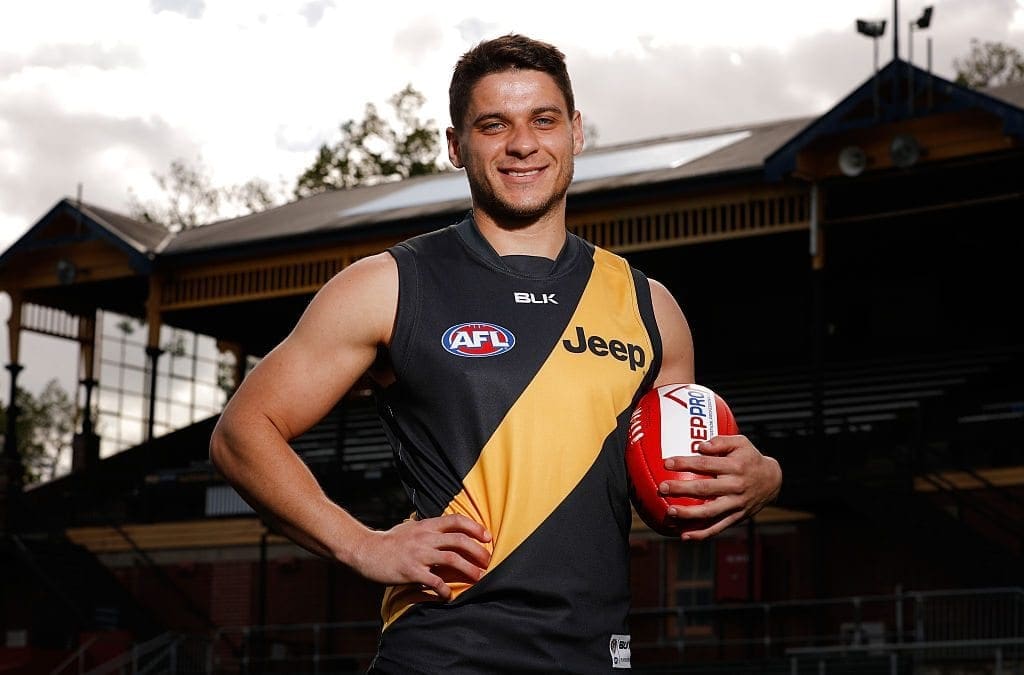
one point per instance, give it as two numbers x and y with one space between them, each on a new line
511 406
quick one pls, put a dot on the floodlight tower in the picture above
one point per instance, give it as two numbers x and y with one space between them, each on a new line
874 29
920 23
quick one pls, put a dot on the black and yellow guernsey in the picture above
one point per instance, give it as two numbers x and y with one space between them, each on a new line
515 381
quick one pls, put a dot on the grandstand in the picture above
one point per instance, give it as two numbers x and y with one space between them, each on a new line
859 323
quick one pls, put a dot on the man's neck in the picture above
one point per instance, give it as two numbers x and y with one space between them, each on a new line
543 238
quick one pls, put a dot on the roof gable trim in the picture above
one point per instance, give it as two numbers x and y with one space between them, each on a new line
891 85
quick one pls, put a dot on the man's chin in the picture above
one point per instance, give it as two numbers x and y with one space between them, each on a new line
515 216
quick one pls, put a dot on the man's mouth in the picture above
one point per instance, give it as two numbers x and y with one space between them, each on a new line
521 173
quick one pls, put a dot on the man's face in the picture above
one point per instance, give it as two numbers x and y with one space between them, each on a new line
517 144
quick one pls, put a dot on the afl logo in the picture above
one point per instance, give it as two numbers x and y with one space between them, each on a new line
477 340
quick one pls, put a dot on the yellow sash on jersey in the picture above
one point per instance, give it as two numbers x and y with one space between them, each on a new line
554 432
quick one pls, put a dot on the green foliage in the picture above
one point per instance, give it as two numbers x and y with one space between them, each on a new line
190 198
372 151
590 135
990 64
175 345
46 424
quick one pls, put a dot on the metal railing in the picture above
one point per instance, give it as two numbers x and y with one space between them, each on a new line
904 632
1000 654
158 655
336 647
771 629
75 658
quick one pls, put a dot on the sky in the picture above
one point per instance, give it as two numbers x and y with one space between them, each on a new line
107 93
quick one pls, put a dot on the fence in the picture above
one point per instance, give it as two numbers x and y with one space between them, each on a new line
922 632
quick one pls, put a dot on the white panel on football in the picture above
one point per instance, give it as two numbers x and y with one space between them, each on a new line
688 415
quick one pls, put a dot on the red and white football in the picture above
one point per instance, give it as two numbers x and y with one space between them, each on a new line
670 421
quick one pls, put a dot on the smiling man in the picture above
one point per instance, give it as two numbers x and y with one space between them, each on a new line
518 352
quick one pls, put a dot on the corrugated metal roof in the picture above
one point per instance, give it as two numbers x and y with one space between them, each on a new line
140 241
604 168
143 236
1009 93
684 157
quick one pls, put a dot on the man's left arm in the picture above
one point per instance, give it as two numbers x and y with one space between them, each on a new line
743 480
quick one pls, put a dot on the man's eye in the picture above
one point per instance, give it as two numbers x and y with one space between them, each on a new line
544 121
491 127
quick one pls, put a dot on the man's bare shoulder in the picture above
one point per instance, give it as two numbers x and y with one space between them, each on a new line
359 302
374 272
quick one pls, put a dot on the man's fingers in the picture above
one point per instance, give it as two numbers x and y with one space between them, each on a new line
721 445
437 584
453 567
708 532
702 488
434 553
707 459
457 522
466 547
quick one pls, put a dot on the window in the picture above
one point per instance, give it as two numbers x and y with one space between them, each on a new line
691 585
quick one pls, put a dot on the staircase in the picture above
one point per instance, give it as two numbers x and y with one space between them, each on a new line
65 597
929 447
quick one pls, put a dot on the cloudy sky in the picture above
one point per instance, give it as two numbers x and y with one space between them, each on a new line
107 92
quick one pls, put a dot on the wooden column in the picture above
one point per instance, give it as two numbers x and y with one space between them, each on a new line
818 330
12 472
819 459
85 446
153 350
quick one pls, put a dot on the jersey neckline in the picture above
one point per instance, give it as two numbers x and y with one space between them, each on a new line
564 263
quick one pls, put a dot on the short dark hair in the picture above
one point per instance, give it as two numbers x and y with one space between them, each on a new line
507 52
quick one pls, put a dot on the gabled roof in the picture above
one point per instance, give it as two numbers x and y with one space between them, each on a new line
745 152
892 85
671 158
1008 93
139 240
145 237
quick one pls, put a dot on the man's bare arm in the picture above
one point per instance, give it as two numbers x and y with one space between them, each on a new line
745 481
333 344
676 340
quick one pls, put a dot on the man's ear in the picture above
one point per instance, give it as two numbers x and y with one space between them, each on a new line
578 140
453 147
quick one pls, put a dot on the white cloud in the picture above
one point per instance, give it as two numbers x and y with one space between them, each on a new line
107 92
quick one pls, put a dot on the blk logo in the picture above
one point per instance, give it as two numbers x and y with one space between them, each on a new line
534 298
477 340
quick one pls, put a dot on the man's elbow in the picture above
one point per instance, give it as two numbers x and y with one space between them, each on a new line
221 446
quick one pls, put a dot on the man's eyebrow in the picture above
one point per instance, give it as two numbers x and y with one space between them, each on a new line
547 109
487 116
540 110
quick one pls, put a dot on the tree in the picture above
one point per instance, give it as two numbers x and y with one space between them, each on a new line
373 151
45 427
192 199
590 135
990 64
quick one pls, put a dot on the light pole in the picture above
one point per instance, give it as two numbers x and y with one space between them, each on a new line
920 23
873 29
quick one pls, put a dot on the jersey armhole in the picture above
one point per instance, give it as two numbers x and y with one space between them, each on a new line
645 305
407 313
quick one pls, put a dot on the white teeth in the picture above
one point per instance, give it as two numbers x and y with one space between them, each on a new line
518 174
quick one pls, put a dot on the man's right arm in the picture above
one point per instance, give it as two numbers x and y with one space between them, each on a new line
295 386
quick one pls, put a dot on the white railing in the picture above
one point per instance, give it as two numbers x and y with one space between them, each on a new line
901 633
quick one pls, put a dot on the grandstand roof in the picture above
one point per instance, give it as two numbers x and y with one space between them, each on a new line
743 152
671 158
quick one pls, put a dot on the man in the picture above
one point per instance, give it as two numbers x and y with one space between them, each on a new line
518 353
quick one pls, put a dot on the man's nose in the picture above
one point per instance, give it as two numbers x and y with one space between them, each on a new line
522 142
